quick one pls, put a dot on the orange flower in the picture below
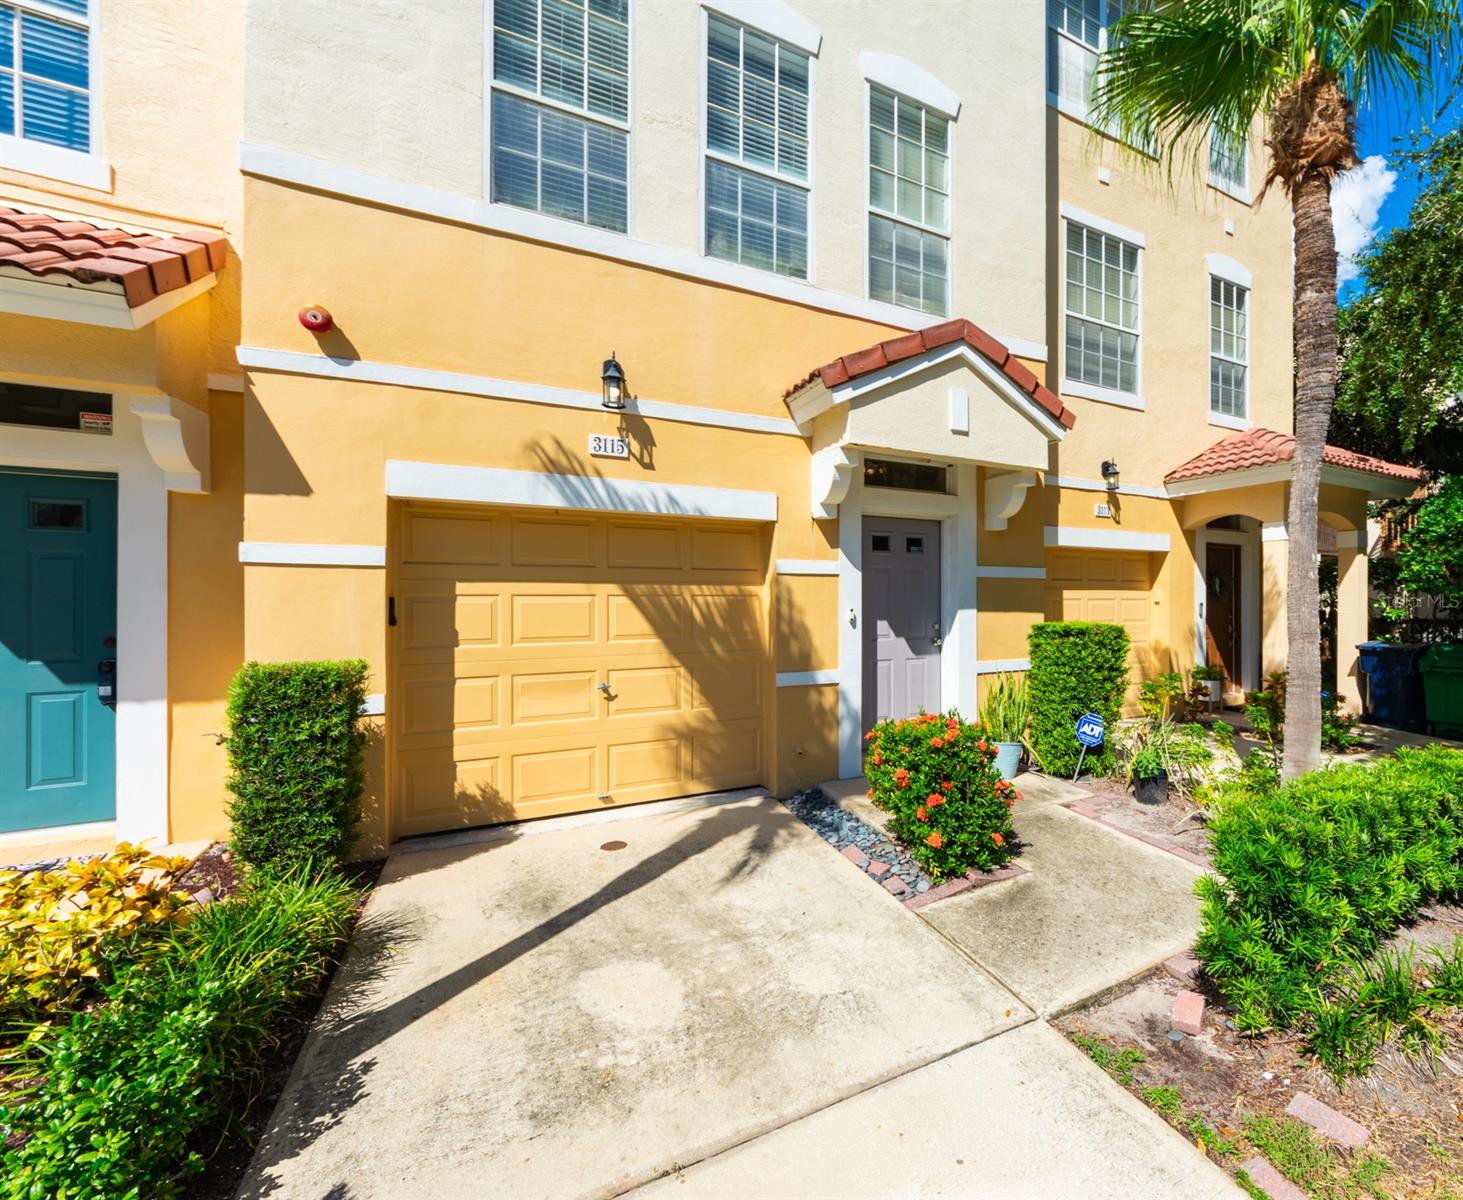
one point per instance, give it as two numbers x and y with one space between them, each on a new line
950 733
934 839
998 839
878 758
1010 803
981 746
920 814
936 800
869 737
870 793
946 786
937 743
901 777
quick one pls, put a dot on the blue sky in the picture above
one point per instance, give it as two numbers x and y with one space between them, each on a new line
1378 195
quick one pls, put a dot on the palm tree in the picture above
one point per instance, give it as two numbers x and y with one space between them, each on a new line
1175 69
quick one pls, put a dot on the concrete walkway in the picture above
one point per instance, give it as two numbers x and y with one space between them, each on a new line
578 1009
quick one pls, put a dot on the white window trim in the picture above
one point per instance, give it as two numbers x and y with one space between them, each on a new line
909 79
1074 110
947 233
1229 187
728 10
1092 391
1229 420
773 18
490 85
85 168
1229 270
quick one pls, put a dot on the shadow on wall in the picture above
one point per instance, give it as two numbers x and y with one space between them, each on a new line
681 685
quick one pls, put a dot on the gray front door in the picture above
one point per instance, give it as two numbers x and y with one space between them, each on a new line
902 632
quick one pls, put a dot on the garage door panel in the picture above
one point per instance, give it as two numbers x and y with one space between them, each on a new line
553 542
1113 588
496 700
553 620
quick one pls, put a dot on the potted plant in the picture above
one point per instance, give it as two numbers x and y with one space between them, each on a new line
1150 776
1208 682
1005 715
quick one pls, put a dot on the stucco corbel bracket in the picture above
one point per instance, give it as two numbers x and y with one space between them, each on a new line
176 436
1005 493
832 469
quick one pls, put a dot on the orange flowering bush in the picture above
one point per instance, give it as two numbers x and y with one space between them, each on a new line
936 776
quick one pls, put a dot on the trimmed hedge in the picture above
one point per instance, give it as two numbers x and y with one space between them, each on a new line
295 753
1313 876
1076 667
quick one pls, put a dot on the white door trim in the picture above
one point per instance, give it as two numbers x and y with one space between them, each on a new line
1250 631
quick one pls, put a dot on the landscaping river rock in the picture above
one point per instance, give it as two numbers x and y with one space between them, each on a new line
879 858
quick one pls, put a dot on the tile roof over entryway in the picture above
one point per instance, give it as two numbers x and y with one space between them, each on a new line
910 345
1267 448
141 266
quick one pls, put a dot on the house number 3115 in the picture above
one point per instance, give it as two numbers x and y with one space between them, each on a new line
604 445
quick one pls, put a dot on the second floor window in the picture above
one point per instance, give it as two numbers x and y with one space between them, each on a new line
560 110
1229 349
757 149
45 72
1102 304
909 204
1228 166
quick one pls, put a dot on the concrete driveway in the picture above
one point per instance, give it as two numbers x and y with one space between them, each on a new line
703 994
543 1017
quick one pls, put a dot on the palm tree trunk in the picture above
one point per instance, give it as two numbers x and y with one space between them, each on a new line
1315 361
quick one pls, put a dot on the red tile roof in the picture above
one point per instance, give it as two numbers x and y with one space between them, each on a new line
1266 447
144 265
861 362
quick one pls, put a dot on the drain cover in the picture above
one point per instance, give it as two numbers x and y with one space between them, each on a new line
616 845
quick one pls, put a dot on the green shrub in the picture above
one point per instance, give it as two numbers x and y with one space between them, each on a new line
1076 667
937 778
295 757
1265 711
1312 875
126 1089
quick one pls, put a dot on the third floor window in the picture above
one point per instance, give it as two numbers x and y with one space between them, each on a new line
909 204
45 72
560 110
1229 349
1228 165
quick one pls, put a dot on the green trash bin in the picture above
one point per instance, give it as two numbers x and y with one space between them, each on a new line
1442 682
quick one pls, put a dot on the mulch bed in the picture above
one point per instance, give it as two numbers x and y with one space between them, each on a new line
1177 825
1413 1108
230 1150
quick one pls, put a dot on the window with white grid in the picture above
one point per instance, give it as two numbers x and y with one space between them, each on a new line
561 108
1228 166
45 72
1229 348
909 204
1075 36
1102 303
757 149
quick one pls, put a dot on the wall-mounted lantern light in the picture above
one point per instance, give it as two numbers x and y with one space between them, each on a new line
1110 472
612 376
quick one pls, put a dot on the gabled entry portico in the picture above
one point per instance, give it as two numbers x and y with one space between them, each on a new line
944 428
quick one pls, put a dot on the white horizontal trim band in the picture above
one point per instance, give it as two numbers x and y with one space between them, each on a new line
771 16
1225 421
1274 531
1072 213
1223 267
1077 538
284 166
541 489
909 79
994 666
55 162
1097 485
1091 391
364 371
806 678
308 554
374 705
991 572
807 566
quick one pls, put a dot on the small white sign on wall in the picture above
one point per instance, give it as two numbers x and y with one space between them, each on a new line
1102 510
606 445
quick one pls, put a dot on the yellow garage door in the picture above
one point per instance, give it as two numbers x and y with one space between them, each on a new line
1095 585
547 663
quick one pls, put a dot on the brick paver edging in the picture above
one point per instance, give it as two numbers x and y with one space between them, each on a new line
1093 806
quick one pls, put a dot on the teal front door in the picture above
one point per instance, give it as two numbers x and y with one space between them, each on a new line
58 614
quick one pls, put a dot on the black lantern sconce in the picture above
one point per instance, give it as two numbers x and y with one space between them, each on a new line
612 377
1110 473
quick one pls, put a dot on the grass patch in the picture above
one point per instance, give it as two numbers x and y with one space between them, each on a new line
1299 1154
1117 1063
1165 1099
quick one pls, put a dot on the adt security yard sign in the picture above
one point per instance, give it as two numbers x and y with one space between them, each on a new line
1089 734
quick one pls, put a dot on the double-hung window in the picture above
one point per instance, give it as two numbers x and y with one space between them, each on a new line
561 108
1102 302
1076 34
1228 164
909 204
757 149
45 72
1229 349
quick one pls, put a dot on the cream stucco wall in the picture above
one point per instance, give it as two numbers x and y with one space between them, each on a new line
396 91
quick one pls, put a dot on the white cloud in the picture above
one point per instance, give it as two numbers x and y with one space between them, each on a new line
1356 200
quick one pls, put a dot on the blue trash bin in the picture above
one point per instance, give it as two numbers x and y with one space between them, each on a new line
1393 673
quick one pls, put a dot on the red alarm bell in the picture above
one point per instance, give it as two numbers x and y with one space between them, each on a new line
316 319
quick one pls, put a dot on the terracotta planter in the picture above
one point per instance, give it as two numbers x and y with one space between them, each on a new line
1151 789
